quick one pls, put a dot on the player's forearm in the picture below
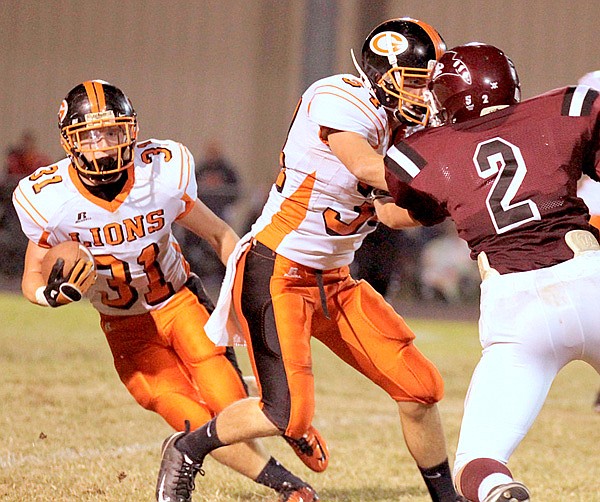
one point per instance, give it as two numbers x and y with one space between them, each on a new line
207 225
225 244
370 170
30 285
33 279
392 215
359 157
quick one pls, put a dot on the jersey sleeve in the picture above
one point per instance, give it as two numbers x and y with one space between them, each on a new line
38 200
174 165
344 105
402 165
188 177
589 190
583 102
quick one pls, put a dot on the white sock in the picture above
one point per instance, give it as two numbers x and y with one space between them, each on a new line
491 482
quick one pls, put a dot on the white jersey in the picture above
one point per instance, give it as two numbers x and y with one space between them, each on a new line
139 262
318 212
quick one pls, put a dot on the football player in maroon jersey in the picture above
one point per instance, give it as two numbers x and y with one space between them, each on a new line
506 173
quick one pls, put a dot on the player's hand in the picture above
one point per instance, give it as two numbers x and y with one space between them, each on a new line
62 290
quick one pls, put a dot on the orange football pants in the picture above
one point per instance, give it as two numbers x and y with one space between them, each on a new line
170 366
280 307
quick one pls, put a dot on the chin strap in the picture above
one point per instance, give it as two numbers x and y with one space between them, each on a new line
363 75
436 116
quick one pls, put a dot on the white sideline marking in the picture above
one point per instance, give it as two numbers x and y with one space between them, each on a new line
17 460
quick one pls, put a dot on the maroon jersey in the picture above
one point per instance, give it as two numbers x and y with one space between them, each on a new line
507 179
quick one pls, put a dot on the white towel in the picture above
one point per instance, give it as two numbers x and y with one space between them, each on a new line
222 326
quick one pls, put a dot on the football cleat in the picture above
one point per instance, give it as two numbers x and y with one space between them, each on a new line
311 449
177 472
303 494
510 492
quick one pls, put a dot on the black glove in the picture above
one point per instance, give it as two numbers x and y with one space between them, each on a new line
61 290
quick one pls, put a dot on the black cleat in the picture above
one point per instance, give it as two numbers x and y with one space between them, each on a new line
177 472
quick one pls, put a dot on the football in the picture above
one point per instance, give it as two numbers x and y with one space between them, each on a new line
70 251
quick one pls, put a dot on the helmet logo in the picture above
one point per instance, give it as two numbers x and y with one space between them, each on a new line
62 112
458 68
387 43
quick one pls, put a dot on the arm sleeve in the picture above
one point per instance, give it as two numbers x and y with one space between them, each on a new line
346 110
35 211
402 165
422 207
591 156
185 179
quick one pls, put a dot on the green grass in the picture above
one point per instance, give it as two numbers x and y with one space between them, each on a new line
71 432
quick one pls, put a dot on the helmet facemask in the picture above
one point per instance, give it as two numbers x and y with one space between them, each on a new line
98 131
102 146
406 85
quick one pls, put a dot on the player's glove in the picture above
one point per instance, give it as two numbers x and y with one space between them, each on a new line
61 290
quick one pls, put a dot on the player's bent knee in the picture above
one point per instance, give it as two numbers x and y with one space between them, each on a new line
420 381
138 387
293 425
278 417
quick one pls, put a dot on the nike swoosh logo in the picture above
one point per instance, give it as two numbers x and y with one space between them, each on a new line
161 491
433 476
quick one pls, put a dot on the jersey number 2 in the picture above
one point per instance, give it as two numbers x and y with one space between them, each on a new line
503 160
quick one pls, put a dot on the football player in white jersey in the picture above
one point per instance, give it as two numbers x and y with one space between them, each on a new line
119 198
291 281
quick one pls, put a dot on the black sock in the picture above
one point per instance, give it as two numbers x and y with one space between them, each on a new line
199 443
439 482
275 476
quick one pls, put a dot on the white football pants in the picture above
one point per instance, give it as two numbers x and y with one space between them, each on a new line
531 325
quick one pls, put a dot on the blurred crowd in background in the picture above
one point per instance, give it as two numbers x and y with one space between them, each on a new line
423 264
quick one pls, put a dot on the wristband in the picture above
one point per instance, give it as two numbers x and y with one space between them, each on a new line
40 297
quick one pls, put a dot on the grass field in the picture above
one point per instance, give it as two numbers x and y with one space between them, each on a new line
71 432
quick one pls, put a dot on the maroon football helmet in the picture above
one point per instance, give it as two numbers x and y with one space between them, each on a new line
474 79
